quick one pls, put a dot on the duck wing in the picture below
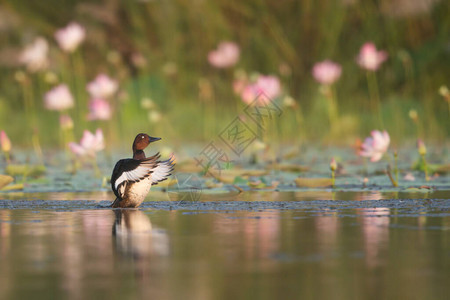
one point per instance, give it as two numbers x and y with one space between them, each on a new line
131 170
163 169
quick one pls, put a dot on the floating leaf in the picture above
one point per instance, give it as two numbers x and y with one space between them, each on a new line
239 180
313 182
243 172
441 169
13 187
226 178
261 184
256 184
416 190
5 180
291 167
25 170
168 182
291 153
213 184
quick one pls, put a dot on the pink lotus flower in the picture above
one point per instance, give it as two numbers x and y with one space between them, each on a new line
35 55
102 87
369 58
65 121
59 98
375 146
89 144
266 88
5 142
100 109
409 177
326 72
226 55
70 37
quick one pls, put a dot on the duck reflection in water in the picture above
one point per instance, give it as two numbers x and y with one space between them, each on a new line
135 237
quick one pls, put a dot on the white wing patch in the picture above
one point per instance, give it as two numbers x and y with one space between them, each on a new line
142 171
156 170
162 170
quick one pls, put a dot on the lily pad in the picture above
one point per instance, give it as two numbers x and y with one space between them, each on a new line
5 180
313 182
260 184
13 187
291 168
168 182
416 190
211 184
239 180
442 169
25 170
243 172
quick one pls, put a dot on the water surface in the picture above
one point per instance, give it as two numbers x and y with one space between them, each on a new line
264 245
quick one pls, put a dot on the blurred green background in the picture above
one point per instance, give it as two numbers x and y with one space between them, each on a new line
158 50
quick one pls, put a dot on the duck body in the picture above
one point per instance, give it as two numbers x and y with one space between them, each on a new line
132 178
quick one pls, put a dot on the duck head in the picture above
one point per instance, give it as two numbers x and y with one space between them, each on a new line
141 141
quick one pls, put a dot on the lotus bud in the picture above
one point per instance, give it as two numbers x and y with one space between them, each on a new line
5 142
421 147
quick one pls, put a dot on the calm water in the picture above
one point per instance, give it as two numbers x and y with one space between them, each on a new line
253 246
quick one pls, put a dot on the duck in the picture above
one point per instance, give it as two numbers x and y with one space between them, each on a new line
132 178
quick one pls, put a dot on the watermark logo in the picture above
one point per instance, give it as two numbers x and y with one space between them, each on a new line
188 187
237 137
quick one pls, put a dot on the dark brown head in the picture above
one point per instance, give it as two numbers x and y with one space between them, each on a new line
142 140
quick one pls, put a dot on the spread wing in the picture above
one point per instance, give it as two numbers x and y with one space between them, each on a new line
162 170
131 170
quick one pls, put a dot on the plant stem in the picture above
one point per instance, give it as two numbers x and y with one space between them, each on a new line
96 168
374 96
396 165
425 166
388 172
79 82
332 178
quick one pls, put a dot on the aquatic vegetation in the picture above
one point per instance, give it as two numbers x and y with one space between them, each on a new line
25 170
375 146
444 92
370 59
326 73
305 182
5 180
159 81
226 55
421 148
70 37
333 167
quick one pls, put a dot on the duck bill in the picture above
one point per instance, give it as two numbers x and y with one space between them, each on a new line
153 139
